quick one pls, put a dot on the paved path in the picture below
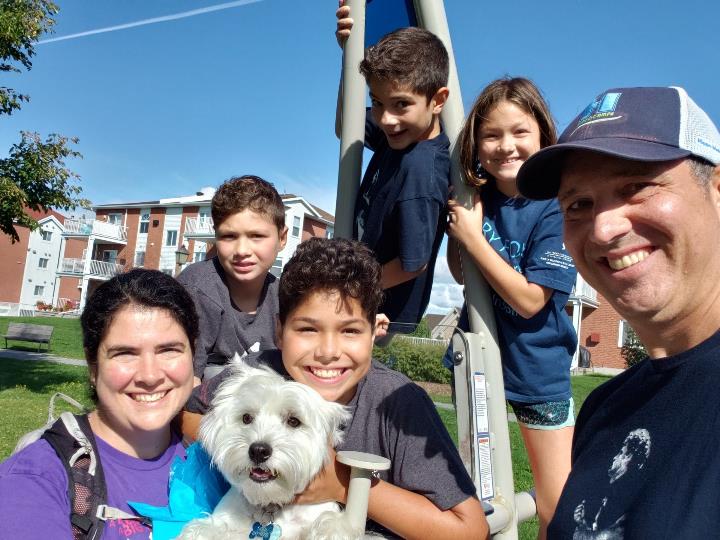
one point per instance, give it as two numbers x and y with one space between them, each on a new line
43 356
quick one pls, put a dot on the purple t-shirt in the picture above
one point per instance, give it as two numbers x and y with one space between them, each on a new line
33 491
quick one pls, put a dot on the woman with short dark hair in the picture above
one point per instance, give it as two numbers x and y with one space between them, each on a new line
139 332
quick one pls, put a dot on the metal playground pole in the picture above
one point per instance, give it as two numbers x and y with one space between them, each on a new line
483 435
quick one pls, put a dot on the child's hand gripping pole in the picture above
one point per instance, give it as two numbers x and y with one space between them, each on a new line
362 466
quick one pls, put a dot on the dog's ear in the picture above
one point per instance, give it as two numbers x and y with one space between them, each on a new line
241 370
338 415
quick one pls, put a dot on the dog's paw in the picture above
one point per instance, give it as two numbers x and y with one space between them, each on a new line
333 526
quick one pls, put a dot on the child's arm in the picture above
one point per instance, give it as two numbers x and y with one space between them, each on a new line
393 273
465 226
454 261
409 515
344 25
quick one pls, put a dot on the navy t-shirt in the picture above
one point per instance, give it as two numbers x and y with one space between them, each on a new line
401 212
536 352
645 453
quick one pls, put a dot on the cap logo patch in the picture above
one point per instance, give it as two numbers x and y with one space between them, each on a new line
600 110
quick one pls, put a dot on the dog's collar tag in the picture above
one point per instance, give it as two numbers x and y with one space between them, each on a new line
269 531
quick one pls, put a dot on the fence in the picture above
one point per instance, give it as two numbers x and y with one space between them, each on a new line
422 341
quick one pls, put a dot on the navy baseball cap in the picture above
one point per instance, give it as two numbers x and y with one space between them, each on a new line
640 124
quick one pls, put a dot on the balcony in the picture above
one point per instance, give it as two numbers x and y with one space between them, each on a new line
91 268
109 232
199 228
584 292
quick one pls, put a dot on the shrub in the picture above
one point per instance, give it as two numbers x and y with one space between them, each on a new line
422 329
418 362
633 351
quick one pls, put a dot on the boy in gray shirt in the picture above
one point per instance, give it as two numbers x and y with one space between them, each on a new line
234 293
329 294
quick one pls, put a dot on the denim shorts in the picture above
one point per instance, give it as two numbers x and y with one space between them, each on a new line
548 415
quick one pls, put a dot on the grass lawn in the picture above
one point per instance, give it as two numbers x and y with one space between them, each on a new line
25 390
66 340
26 387
582 385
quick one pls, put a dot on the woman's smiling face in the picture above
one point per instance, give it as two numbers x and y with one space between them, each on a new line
144 375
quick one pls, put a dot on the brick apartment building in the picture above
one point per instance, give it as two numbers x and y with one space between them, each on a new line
27 267
149 233
65 259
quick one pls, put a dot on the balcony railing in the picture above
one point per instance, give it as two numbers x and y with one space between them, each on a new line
80 267
82 227
584 291
199 227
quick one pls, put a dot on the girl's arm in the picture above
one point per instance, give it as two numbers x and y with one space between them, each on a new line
454 260
465 226
409 515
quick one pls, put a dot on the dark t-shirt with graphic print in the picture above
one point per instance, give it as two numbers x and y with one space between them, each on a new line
645 453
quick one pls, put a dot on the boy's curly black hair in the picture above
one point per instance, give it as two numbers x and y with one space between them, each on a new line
333 265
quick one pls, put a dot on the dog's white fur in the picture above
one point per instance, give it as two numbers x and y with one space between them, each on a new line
298 454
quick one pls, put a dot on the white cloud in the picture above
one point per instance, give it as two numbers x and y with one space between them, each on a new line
446 293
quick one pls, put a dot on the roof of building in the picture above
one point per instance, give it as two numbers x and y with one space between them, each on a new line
37 215
204 196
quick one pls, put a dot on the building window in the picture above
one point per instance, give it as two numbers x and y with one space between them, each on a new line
171 238
296 226
200 256
277 267
42 263
624 333
46 235
39 290
144 223
329 233
168 271
115 219
110 256
139 259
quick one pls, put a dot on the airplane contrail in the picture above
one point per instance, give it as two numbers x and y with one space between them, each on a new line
165 18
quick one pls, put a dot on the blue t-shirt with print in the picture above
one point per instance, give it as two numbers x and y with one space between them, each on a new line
401 212
536 352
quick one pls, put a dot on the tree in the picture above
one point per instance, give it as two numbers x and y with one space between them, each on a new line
422 329
34 174
633 351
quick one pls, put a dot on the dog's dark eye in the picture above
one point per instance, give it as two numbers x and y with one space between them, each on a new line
293 422
247 418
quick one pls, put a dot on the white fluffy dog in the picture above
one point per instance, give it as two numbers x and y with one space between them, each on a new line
269 437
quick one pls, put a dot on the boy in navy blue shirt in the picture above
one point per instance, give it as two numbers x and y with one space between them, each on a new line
400 209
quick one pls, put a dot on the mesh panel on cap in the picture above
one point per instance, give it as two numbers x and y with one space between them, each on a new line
698 134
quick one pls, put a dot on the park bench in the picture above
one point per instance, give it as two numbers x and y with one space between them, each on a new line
37 333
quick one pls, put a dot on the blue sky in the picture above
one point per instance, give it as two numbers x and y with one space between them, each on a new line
165 108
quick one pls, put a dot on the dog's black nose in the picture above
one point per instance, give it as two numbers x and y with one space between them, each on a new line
260 452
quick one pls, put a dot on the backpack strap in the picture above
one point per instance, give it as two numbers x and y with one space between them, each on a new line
72 439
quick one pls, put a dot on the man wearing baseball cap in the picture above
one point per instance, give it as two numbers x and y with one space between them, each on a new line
637 178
